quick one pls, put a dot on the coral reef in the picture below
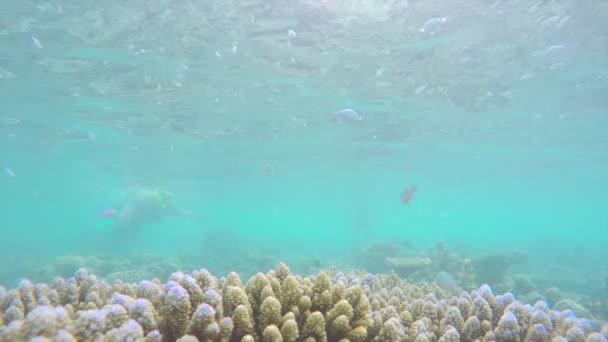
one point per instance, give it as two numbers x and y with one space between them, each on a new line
527 292
467 275
132 268
383 256
276 306
461 269
405 266
445 260
490 268
374 255
437 263
521 285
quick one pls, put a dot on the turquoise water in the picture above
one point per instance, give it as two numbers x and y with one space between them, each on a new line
499 117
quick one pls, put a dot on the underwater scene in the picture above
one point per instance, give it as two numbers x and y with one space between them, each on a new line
304 170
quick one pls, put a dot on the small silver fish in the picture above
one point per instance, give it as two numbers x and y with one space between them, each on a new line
421 88
557 66
349 114
433 25
37 42
10 172
563 21
554 48
549 21
526 76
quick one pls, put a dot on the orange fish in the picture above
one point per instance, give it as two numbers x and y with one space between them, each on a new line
408 194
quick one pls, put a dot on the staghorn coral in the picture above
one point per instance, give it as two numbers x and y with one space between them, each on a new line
276 306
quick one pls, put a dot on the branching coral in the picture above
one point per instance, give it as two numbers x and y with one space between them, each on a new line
276 306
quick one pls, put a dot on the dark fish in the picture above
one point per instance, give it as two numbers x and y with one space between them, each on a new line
408 194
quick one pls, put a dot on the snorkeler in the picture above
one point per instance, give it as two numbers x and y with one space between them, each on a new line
147 207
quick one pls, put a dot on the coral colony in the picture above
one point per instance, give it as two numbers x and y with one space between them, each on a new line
276 306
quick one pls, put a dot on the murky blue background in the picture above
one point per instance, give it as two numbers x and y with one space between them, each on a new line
498 116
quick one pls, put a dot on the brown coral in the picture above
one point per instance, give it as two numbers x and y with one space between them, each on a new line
276 306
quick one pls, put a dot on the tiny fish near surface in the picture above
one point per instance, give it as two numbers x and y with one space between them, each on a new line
10 172
37 42
408 194
349 114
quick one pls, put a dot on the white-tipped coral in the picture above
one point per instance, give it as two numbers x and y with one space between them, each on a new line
176 310
142 310
128 331
537 333
508 328
277 306
203 324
